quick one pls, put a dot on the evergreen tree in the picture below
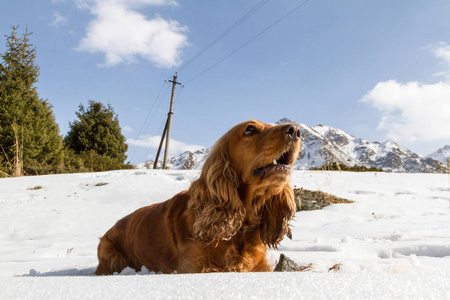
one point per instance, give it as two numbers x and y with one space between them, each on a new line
97 130
24 117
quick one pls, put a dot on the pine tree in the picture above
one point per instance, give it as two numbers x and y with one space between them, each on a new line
97 130
23 115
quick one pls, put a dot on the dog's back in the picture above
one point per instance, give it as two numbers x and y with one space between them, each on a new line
133 239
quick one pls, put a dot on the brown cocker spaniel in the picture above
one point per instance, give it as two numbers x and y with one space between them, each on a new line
241 204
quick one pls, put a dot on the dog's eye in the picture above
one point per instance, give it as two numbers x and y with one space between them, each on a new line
250 130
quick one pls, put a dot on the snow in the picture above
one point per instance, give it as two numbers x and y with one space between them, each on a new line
230 286
392 242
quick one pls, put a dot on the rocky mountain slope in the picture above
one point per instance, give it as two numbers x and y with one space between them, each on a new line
324 145
442 154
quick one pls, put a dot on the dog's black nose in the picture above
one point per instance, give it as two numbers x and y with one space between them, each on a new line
292 131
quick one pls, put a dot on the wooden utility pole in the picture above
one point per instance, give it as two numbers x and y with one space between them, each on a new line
166 132
155 164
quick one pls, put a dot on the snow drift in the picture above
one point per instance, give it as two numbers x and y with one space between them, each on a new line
392 242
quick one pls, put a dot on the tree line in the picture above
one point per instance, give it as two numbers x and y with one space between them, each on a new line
30 141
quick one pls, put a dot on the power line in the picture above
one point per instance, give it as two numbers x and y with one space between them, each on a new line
162 124
153 116
248 42
179 93
157 107
146 118
226 32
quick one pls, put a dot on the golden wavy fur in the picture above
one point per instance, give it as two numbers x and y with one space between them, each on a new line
241 204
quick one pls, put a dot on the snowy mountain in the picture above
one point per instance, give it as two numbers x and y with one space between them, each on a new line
324 145
185 161
442 154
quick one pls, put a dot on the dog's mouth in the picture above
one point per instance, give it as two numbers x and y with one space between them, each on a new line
282 164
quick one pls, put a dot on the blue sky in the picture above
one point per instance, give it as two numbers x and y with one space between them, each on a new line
375 69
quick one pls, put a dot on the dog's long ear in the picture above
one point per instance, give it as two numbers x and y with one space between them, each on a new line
276 213
215 202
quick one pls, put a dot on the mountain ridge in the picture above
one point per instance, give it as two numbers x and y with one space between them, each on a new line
442 154
323 145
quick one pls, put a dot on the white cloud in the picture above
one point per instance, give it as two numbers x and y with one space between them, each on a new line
127 128
442 51
414 111
123 34
175 147
58 19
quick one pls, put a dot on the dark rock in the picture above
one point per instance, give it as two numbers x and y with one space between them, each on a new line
285 264
312 200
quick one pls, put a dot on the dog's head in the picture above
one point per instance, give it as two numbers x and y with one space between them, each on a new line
246 179
262 155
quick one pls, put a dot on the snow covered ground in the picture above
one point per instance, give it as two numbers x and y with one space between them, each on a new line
392 242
